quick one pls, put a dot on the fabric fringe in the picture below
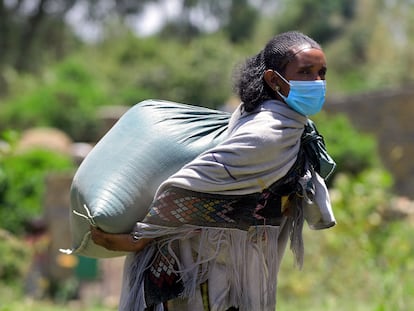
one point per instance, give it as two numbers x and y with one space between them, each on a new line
133 298
202 248
296 237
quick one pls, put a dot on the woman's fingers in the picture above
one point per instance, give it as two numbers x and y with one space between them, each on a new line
98 236
118 242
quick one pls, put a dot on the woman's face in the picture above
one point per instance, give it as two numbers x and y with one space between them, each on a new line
307 65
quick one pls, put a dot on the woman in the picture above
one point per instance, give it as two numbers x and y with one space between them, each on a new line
217 229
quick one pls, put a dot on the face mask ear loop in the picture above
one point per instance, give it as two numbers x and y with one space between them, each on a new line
286 81
282 96
281 77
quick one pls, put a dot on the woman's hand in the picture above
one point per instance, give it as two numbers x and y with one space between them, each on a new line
118 242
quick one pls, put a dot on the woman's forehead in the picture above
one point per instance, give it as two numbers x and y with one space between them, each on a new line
309 56
299 48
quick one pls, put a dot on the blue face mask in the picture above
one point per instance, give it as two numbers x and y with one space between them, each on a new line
305 97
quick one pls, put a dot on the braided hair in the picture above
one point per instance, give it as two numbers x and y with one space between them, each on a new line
250 85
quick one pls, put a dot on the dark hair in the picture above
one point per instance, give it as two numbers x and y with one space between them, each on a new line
250 85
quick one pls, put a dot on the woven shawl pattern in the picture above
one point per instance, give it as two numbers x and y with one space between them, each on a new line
177 206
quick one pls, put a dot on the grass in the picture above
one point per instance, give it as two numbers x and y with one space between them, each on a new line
12 300
353 278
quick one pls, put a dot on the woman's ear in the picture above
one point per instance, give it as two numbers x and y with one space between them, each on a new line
272 79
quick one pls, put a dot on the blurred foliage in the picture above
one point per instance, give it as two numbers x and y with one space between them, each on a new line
352 150
364 263
323 20
56 79
15 258
373 51
124 69
68 96
359 56
22 183
196 72
11 299
34 33
27 27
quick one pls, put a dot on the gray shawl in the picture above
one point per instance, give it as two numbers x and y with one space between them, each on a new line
241 265
260 149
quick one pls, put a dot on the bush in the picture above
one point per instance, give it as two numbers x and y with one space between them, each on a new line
22 184
353 151
15 258
121 71
365 256
66 98
197 72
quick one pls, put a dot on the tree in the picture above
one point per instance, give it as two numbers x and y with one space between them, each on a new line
322 20
237 18
26 27
33 31
242 21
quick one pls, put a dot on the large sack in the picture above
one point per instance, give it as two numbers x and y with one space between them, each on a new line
115 184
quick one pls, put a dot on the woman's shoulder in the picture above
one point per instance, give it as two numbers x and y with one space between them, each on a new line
270 116
281 111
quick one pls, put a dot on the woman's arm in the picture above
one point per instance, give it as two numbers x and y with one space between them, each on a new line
118 242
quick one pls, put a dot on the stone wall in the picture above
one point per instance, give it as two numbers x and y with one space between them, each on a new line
389 115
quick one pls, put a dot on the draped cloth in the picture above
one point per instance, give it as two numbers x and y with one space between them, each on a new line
225 218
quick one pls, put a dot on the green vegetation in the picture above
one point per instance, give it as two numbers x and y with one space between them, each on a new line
130 70
22 186
12 301
57 80
353 151
364 263
14 258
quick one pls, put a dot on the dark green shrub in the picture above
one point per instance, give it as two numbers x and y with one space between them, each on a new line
66 98
353 151
22 184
